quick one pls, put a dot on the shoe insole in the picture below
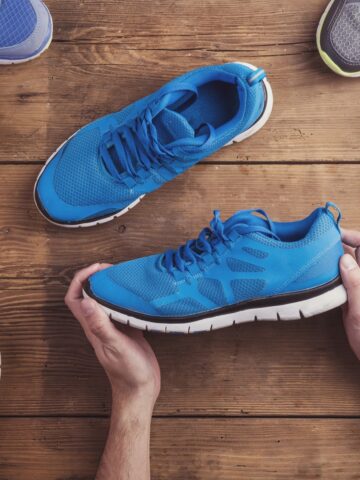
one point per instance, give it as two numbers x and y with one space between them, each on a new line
217 103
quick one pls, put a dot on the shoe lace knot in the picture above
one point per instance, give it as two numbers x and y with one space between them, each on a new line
134 148
210 239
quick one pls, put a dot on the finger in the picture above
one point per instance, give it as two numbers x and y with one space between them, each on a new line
350 237
75 289
105 265
75 295
98 323
354 252
350 273
74 292
357 255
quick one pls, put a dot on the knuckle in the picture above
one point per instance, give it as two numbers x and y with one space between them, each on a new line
97 327
77 275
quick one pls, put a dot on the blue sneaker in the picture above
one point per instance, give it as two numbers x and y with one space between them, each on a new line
109 165
25 30
247 268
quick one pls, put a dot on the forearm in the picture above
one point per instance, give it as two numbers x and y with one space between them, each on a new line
127 451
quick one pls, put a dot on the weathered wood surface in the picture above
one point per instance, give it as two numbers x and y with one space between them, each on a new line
208 24
280 368
106 55
196 449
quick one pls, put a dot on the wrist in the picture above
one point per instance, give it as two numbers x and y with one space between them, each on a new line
137 406
127 447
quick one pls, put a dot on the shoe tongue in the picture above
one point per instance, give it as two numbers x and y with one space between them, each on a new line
248 218
172 126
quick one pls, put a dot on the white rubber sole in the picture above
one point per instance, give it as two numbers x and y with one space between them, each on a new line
239 138
291 311
29 59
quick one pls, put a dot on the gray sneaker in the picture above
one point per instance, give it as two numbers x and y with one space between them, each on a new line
338 37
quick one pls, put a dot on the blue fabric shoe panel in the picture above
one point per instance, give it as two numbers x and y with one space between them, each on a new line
248 257
17 21
25 29
124 155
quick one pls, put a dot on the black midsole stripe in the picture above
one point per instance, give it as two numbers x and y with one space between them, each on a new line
69 222
273 301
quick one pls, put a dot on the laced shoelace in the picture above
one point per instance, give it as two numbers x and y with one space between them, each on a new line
137 147
208 241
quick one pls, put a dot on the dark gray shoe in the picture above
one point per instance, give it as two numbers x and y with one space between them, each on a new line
338 37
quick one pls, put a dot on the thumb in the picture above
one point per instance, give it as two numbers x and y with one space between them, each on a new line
97 322
350 273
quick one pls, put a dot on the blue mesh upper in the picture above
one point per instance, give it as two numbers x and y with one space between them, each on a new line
86 183
17 21
213 290
255 252
237 265
143 278
186 306
319 266
319 228
245 288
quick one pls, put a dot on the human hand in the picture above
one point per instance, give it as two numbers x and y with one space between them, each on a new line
125 355
350 273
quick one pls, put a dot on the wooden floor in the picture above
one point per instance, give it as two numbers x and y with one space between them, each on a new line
261 401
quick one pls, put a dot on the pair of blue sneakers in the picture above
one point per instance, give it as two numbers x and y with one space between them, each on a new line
245 268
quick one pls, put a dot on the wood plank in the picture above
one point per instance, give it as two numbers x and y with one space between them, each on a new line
293 368
50 449
285 368
52 100
184 24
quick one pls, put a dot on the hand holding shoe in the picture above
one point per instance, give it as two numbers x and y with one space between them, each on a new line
350 272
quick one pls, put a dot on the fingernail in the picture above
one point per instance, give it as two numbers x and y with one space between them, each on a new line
87 307
348 262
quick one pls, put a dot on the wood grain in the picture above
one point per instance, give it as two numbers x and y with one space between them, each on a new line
281 368
191 449
207 24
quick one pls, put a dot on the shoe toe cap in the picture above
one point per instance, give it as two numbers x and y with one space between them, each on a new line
109 293
68 195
